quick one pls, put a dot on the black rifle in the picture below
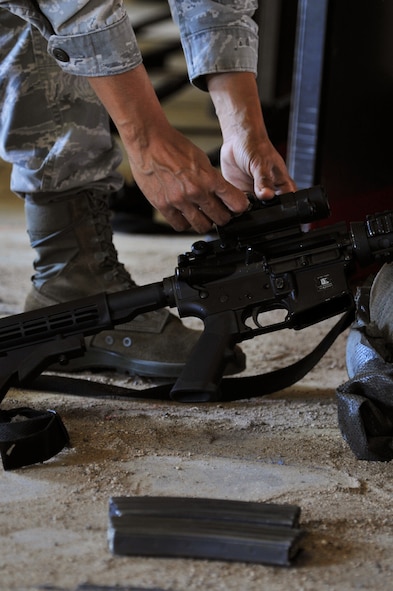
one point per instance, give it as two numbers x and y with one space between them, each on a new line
263 260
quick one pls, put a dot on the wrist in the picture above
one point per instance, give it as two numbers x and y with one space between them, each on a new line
237 104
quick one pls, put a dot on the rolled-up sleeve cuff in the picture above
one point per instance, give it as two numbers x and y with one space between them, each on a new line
102 52
215 51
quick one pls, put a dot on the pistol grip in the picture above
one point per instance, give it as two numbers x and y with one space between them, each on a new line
201 376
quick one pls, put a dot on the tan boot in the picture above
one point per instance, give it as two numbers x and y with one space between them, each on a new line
76 258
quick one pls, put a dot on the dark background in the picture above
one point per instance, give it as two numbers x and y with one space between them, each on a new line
333 89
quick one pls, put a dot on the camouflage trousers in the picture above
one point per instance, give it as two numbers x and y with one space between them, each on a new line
53 129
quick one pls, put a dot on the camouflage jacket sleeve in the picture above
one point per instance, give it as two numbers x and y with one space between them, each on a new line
95 37
86 37
217 36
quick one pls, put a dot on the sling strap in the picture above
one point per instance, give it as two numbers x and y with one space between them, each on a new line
28 436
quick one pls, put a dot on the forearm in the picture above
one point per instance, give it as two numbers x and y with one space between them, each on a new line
237 104
132 104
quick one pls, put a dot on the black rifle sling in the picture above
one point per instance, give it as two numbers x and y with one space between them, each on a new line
30 436
33 440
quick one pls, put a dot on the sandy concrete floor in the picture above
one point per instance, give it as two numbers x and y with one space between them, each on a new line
285 448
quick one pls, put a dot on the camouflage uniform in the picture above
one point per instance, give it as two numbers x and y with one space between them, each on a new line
56 134
53 129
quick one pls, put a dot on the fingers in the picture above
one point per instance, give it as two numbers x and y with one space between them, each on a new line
190 218
202 210
275 182
234 199
267 189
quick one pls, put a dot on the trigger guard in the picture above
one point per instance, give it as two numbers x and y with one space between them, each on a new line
255 320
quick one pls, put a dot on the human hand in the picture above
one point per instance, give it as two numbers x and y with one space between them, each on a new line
174 174
253 165
248 158
180 182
